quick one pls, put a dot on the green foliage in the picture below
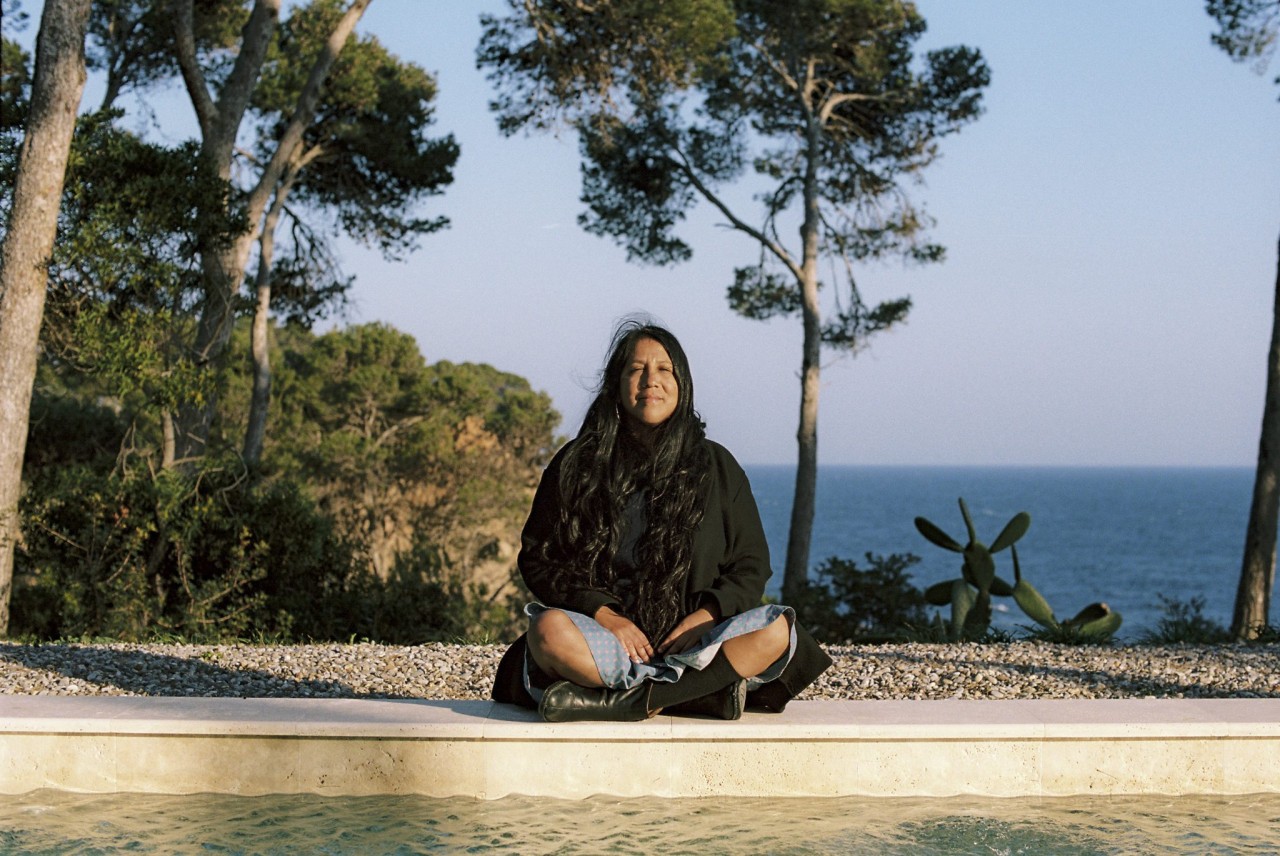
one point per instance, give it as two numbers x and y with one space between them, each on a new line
1066 634
970 594
15 85
824 100
131 41
396 451
1248 30
370 161
124 274
849 328
845 603
635 195
64 430
390 498
135 556
759 294
128 554
421 601
15 97
550 59
938 632
390 443
1184 622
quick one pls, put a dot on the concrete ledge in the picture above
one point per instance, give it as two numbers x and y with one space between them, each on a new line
485 750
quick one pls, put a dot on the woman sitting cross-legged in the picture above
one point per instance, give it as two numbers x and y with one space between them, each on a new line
646 555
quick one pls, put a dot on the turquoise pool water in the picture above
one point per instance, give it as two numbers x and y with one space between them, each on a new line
51 822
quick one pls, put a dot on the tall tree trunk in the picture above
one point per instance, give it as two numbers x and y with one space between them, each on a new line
1258 573
168 443
259 347
255 433
220 120
223 268
795 574
33 224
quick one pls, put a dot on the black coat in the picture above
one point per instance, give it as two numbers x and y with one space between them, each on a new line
730 568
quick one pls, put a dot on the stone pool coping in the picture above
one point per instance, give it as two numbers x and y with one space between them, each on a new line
486 750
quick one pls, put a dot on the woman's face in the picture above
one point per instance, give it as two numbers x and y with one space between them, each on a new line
647 390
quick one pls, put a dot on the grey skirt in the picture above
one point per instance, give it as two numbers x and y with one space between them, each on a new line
618 671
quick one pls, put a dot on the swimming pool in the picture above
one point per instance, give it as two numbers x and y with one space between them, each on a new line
49 822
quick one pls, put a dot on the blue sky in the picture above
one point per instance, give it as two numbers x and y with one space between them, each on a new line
1111 226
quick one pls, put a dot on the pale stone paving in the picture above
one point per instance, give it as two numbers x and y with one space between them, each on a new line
444 671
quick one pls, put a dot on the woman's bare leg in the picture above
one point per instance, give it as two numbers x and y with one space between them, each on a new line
752 653
560 649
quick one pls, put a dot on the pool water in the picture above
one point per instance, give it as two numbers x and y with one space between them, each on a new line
54 822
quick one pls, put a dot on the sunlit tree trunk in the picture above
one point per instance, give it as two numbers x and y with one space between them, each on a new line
1258 573
260 350
223 268
259 403
33 223
796 571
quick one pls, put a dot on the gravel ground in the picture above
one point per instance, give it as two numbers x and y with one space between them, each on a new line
441 671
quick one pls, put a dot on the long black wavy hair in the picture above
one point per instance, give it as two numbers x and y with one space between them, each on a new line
606 464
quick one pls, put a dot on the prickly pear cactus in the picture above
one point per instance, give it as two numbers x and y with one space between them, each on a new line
970 594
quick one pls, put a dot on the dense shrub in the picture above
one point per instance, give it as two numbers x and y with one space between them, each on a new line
845 603
130 554
387 506
1183 621
206 557
422 601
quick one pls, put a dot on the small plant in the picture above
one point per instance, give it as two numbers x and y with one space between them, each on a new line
1184 623
846 603
1064 634
970 595
939 631
1267 635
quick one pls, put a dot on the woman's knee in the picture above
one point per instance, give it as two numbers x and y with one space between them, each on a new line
553 634
769 642
752 653
775 637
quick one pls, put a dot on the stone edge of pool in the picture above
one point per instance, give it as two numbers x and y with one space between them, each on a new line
485 750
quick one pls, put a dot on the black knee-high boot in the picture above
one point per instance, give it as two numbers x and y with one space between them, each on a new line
716 691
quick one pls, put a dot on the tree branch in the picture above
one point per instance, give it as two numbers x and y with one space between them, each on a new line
304 111
184 41
736 222
831 102
395 428
238 89
778 68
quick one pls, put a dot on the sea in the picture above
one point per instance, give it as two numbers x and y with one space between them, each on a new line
1127 536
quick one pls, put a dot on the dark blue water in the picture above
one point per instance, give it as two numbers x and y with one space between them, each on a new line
1125 536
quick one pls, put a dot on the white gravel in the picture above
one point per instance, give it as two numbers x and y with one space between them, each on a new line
442 671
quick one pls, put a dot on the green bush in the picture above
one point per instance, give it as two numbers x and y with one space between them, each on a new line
1183 622
132 555
845 603
385 482
421 600
207 557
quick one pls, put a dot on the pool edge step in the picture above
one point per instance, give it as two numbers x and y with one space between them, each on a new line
481 749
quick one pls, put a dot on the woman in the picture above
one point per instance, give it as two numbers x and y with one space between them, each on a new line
645 552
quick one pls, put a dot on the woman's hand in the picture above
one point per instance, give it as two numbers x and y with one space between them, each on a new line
632 638
687 633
